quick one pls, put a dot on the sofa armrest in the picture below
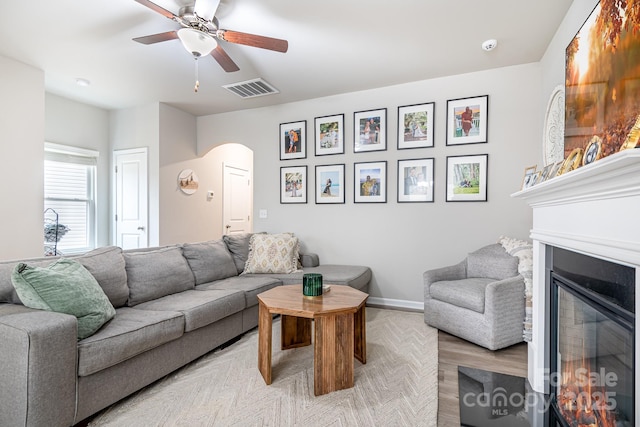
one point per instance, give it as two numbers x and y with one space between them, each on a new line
505 299
309 260
38 359
452 272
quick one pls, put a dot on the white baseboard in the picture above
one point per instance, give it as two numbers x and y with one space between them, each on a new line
396 303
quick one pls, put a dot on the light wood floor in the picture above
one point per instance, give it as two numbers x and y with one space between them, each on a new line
454 352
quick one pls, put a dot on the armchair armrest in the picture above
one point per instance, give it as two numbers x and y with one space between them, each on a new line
38 356
452 272
505 298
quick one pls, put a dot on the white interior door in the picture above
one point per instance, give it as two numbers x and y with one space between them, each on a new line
237 201
131 198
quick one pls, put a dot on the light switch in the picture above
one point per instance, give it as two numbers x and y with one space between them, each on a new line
263 214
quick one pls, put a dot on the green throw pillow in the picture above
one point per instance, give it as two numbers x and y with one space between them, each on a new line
65 286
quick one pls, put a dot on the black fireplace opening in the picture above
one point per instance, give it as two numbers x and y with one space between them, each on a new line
592 351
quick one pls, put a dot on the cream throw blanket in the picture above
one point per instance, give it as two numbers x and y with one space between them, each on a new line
524 251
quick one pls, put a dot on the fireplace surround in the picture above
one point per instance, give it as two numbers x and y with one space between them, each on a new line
591 352
590 211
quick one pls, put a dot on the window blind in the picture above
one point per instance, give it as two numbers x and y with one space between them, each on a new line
69 189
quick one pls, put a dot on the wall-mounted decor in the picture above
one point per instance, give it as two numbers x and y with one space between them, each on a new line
467 178
554 127
415 126
370 130
293 140
329 135
370 182
415 180
330 184
527 179
467 120
188 181
293 184
602 79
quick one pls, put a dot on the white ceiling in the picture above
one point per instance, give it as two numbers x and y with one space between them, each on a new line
335 46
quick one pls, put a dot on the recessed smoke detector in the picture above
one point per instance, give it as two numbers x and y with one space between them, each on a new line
490 44
251 88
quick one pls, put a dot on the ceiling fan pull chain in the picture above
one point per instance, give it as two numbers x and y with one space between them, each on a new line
195 88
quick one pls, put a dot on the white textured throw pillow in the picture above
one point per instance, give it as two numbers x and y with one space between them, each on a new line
272 253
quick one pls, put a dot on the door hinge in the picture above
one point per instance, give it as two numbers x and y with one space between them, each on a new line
116 168
116 217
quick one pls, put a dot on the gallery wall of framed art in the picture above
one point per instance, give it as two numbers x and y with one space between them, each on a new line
413 178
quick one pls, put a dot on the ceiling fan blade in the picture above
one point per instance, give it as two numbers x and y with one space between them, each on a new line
224 60
157 38
162 11
247 39
206 9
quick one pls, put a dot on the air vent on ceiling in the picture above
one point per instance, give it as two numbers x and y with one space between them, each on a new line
251 88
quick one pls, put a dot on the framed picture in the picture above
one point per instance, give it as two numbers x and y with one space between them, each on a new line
293 140
546 172
293 184
555 169
415 180
370 182
415 126
467 178
527 179
329 135
467 120
329 184
370 130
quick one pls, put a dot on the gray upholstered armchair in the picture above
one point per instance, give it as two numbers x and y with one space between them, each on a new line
480 299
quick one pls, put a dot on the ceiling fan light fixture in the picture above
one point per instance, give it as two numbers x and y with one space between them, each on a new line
196 42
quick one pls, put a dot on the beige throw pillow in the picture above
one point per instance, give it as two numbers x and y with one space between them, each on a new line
272 253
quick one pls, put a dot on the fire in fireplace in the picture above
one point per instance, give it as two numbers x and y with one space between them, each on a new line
592 341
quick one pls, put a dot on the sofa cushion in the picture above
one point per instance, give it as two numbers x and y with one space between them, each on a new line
356 276
250 285
157 273
492 262
130 333
272 253
238 245
67 287
209 261
465 293
107 266
200 308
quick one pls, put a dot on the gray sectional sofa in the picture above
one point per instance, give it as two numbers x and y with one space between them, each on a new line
173 304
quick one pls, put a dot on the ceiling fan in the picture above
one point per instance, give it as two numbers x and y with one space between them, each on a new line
200 33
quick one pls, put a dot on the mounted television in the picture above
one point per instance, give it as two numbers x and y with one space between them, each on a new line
602 83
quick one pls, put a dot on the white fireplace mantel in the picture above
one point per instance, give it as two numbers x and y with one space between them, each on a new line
594 210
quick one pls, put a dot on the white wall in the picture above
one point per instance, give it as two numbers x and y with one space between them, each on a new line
398 241
22 154
76 124
190 217
135 128
195 217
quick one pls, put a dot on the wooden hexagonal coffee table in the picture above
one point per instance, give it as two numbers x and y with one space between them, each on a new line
340 335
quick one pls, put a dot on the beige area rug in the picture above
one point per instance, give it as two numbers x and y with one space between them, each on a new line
398 386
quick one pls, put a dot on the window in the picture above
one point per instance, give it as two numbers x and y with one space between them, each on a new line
70 190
